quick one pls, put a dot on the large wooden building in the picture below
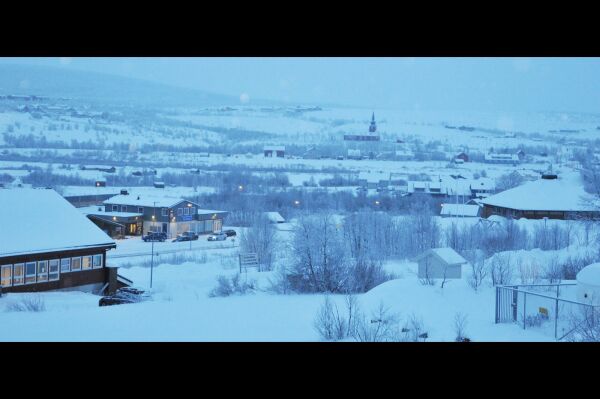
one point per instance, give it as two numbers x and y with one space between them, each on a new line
47 244
550 197
164 214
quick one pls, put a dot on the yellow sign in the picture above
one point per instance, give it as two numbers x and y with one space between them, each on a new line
543 311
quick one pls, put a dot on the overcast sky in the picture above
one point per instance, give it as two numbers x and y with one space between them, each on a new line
502 84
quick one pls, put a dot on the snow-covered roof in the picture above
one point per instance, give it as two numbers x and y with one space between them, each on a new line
40 220
447 255
275 217
460 210
144 200
562 194
589 275
99 211
208 211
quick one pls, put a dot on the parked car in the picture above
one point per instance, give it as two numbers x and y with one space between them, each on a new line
230 233
187 236
124 295
217 237
154 236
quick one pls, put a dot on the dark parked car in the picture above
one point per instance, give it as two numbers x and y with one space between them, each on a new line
154 236
230 233
123 296
187 236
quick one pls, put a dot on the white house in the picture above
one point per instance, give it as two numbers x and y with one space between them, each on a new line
438 263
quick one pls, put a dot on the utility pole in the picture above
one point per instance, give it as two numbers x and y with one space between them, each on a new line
152 258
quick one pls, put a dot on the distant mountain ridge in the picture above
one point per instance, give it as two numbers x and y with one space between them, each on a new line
103 88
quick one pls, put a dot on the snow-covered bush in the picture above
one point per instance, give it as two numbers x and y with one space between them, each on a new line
381 326
27 304
414 329
460 326
234 285
333 326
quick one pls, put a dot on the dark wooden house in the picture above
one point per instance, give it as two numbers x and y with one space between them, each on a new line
51 245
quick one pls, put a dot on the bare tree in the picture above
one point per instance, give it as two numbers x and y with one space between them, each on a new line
259 238
460 325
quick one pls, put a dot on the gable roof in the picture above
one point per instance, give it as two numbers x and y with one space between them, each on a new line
562 194
460 210
150 201
446 255
40 220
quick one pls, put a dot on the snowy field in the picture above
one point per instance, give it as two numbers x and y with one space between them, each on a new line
181 310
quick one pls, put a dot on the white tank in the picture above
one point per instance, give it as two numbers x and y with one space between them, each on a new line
588 284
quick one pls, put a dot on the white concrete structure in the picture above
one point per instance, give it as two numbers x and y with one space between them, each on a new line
588 284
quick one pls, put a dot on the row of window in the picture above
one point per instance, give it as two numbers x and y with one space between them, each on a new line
46 270
164 211
123 208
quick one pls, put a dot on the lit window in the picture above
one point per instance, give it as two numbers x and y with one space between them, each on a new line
6 276
30 273
86 262
42 271
19 270
53 270
65 265
97 261
75 264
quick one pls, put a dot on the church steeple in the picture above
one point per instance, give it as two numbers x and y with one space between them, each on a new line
373 126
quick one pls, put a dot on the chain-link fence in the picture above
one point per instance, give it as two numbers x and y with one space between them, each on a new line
551 309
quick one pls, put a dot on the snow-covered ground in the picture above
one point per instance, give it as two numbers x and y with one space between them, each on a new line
181 309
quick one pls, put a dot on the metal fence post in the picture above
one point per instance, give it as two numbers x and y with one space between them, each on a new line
524 308
556 318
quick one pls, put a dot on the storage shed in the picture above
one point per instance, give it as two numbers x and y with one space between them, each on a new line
437 262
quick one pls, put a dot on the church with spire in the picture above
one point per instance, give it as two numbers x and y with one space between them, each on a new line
365 137
373 126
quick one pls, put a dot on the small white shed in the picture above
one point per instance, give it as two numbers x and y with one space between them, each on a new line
588 284
437 262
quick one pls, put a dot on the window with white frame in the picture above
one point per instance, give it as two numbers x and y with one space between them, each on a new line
192 210
140 209
115 208
75 264
42 271
6 275
97 261
30 272
53 270
18 274
186 211
179 211
164 211
65 265
123 208
86 262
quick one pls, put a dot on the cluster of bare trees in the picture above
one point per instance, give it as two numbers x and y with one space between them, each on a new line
260 238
